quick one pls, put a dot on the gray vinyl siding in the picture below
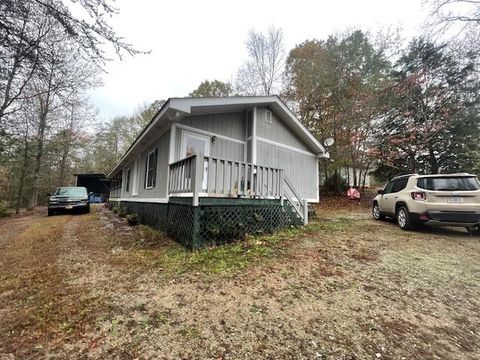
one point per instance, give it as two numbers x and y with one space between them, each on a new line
115 193
277 131
249 123
227 124
221 148
160 189
249 151
231 125
300 168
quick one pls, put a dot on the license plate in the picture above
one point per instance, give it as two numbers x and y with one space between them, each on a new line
68 207
455 199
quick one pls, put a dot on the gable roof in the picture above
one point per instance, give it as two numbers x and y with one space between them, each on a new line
175 108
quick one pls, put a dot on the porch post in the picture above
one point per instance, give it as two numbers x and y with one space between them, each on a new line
197 178
171 156
305 211
254 136
281 180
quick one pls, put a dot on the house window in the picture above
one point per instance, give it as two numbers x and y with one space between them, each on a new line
268 116
116 181
151 169
193 143
136 177
127 180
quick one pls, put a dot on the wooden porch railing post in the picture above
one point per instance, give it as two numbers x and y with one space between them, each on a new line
197 178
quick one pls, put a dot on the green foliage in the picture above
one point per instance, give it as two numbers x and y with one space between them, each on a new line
132 219
121 212
431 124
213 88
337 84
384 173
112 139
335 184
4 209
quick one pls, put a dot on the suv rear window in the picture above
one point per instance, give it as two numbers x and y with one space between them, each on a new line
456 183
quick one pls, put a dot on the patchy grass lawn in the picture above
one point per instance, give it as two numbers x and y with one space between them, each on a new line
345 287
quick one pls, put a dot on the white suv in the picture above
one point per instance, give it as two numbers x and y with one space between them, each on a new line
444 200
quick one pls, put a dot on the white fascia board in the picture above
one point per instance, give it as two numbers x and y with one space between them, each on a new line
185 104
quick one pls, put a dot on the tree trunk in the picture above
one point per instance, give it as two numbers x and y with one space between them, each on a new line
44 105
39 155
364 179
63 163
433 161
412 163
23 174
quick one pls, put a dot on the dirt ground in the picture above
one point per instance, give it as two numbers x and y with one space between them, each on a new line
345 287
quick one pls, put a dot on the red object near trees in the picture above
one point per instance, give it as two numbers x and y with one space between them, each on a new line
353 194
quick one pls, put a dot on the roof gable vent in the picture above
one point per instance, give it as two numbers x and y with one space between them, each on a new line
268 116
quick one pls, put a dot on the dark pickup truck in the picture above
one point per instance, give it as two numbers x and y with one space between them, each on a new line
68 198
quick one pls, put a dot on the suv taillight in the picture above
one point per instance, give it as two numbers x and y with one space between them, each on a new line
419 195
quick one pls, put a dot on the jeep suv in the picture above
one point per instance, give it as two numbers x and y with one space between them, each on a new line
442 200
69 198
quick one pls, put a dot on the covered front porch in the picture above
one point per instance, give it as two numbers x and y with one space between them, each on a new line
198 176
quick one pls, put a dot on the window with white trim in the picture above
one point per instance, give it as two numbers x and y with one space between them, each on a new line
193 143
136 177
151 169
268 116
127 180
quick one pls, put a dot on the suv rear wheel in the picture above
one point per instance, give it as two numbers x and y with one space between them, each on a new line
376 214
404 220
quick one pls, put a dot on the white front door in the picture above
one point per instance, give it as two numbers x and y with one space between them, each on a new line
193 143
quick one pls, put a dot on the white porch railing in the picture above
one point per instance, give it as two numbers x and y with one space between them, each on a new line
207 176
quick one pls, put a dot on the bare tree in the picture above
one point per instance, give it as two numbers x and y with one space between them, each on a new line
19 56
262 73
26 25
64 78
448 12
457 22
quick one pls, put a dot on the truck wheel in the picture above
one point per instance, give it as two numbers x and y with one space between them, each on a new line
404 219
474 230
50 212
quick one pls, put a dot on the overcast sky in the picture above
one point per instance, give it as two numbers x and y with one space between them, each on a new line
191 41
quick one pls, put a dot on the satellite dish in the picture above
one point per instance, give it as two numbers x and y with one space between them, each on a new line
328 141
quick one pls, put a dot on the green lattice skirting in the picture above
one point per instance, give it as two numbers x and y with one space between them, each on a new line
216 220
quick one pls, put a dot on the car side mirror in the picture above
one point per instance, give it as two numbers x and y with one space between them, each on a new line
48 194
380 192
